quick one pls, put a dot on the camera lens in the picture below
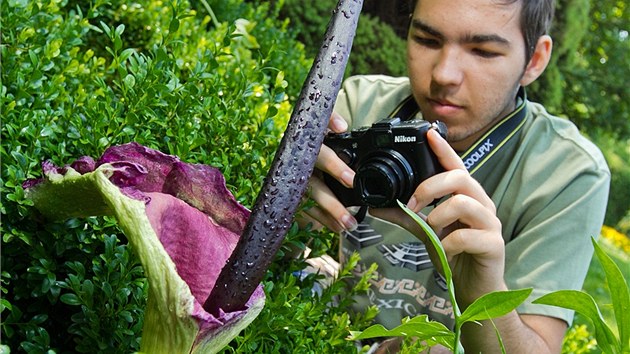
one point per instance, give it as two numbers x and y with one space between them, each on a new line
383 178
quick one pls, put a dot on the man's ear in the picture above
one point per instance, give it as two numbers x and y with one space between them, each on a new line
539 60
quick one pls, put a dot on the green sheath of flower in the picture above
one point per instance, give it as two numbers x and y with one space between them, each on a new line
182 222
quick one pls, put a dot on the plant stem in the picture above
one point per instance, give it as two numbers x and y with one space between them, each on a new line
215 21
292 166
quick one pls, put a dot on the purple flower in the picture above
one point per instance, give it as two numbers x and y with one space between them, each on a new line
182 222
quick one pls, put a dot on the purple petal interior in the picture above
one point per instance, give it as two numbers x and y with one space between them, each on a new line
196 218
198 246
191 210
199 185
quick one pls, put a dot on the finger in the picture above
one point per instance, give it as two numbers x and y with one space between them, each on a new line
337 124
319 217
305 221
487 247
452 182
330 163
330 206
447 157
464 210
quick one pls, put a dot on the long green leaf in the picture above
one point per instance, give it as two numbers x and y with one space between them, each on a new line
493 305
435 241
448 275
585 304
619 295
419 327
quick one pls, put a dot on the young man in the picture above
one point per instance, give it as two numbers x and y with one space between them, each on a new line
522 194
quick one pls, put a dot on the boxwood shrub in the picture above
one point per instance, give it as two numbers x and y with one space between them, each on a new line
209 86
376 49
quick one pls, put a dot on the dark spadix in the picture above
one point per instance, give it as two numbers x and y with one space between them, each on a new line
292 166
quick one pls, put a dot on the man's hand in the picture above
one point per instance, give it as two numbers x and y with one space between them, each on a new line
466 223
329 211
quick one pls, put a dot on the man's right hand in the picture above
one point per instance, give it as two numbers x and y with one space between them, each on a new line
329 211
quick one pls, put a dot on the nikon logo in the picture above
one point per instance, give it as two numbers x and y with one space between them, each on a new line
404 139
478 155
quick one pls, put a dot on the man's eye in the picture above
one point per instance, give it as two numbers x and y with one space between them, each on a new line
427 42
485 53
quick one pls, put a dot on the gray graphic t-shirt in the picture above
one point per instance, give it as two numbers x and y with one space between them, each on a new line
417 287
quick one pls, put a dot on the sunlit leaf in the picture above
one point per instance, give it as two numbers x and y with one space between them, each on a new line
419 327
493 305
584 304
619 295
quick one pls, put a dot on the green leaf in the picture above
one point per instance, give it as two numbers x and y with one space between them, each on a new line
119 30
125 54
130 81
106 28
584 304
435 241
173 26
70 299
419 327
619 295
493 305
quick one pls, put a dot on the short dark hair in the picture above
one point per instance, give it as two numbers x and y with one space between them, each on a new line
535 20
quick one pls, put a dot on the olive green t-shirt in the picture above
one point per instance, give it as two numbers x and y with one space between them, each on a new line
550 188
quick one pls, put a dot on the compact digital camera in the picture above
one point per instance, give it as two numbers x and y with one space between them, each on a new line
390 158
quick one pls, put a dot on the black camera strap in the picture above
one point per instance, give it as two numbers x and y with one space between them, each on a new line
496 137
489 143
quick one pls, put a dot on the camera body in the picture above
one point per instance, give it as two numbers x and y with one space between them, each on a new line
390 159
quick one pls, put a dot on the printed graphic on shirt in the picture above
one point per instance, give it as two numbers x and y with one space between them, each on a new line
440 280
362 237
406 295
410 255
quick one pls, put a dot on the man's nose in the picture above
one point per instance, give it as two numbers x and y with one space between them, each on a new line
448 69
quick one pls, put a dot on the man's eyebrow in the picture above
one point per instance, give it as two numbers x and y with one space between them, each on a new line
485 38
419 25
469 38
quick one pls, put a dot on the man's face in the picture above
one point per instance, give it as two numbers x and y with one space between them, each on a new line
465 60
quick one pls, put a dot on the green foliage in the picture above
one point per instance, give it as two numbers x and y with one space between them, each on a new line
595 285
298 316
567 32
583 303
586 78
586 82
78 77
617 154
578 340
419 327
376 49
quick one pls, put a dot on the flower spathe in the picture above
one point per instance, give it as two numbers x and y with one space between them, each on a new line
183 224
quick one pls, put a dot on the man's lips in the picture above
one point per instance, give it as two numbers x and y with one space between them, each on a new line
444 107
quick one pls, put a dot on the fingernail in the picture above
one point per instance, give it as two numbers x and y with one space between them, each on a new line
349 222
338 124
411 204
347 178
